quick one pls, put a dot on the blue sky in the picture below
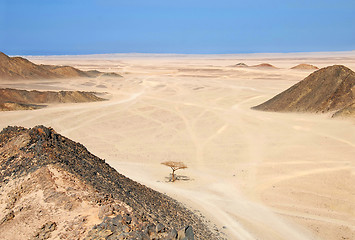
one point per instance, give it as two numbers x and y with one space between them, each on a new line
40 27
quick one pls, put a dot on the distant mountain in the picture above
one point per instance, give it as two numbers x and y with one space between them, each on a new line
328 89
304 66
259 66
14 99
52 187
17 68
240 65
264 65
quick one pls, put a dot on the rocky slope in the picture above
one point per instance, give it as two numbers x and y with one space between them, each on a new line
14 68
347 112
52 187
14 99
328 89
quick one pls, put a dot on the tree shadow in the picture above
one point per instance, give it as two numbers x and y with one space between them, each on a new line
178 178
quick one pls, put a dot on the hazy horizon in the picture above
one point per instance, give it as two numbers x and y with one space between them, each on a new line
184 27
149 54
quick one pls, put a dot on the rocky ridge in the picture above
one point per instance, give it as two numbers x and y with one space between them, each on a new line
52 187
17 68
14 99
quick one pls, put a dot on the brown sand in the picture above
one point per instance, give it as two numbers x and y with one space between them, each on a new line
253 174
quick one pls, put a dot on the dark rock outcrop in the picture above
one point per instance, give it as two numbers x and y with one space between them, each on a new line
129 210
45 231
7 217
186 233
328 89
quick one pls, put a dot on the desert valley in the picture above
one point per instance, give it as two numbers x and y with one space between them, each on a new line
282 170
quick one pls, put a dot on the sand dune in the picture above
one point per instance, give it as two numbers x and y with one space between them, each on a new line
252 174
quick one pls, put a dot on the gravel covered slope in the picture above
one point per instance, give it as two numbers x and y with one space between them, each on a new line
25 151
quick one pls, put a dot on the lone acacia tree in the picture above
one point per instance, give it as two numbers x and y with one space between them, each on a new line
174 166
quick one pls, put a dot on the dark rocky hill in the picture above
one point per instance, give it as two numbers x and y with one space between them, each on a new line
16 68
52 187
328 89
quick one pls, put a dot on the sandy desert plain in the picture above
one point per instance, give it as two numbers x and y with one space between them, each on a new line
251 174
